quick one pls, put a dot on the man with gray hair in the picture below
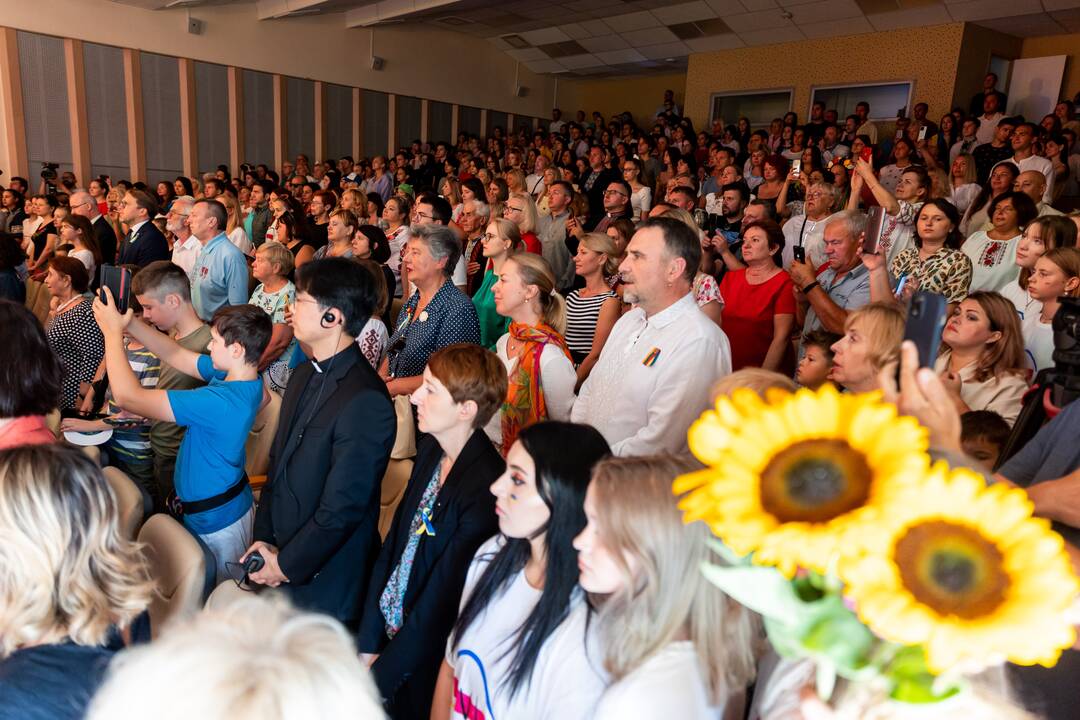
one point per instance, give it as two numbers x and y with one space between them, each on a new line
83 203
654 374
220 274
826 297
473 220
185 246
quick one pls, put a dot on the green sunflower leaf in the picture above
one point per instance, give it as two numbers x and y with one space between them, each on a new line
763 590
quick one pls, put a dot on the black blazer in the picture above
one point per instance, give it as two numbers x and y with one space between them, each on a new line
106 239
464 517
149 245
320 504
596 194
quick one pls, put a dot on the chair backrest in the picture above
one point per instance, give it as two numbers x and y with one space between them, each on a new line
261 437
37 299
178 567
129 501
394 483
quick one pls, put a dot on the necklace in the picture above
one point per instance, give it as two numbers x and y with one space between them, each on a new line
64 304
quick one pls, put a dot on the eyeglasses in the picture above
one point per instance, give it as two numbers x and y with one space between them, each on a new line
614 192
425 216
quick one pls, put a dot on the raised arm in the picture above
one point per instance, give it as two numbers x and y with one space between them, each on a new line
168 350
885 198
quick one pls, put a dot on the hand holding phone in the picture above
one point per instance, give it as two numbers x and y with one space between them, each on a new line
922 132
925 321
799 253
796 167
118 281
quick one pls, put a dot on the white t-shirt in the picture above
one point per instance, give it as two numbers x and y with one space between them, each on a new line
641 202
993 262
667 685
239 238
566 681
1038 341
1021 299
87 259
557 378
813 239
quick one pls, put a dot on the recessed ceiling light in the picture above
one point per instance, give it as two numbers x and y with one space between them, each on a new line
669 59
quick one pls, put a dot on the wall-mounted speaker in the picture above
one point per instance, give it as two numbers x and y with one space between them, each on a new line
377 63
195 26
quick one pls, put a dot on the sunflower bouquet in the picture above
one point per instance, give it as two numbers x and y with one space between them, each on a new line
862 556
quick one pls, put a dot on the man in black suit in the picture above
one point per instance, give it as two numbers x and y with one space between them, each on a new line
595 184
317 522
144 243
82 203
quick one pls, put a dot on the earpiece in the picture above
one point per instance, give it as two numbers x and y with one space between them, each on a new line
328 319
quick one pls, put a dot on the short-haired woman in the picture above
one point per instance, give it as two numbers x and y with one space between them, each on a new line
448 511
542 376
72 331
993 252
672 643
518 649
437 314
871 340
982 362
340 230
31 377
274 293
71 581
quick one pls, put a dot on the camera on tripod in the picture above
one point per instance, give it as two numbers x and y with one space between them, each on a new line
48 174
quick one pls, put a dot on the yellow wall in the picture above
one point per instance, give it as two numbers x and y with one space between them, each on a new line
421 61
978 45
640 95
928 56
1059 45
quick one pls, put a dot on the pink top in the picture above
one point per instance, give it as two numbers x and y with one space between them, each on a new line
28 430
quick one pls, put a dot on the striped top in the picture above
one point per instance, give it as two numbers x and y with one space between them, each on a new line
581 316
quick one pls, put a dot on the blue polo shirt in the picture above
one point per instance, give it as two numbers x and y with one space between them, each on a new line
218 418
219 278
850 292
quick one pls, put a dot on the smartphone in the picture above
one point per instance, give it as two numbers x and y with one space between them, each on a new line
796 167
118 280
922 132
925 321
875 223
867 153
799 253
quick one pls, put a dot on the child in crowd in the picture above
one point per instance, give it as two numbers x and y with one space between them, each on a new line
983 434
1055 274
813 368
214 498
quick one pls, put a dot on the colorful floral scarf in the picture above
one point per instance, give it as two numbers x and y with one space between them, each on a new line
525 395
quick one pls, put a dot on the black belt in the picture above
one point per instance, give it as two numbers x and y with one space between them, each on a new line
179 507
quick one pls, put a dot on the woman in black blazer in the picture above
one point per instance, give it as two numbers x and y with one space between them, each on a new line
448 511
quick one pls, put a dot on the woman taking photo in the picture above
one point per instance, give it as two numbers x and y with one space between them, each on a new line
1045 232
415 587
518 649
993 252
71 581
982 363
672 643
936 264
500 240
593 310
759 303
437 314
340 230
76 230
871 340
542 376
901 207
72 331
395 216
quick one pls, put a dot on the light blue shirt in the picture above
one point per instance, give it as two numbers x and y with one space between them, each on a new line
219 278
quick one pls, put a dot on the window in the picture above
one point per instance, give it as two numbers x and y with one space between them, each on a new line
886 99
760 106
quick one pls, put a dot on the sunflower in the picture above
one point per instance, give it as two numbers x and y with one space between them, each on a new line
964 570
790 476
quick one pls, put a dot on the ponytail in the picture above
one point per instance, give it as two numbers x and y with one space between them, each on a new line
535 270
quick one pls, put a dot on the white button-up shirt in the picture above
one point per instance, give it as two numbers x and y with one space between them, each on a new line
653 379
186 253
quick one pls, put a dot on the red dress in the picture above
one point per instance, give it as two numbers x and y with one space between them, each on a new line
532 242
747 317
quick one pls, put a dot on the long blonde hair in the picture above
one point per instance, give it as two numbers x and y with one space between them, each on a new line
535 270
66 572
528 210
603 243
668 598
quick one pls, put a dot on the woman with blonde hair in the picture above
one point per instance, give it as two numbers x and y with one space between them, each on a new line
542 376
871 340
234 227
593 310
521 210
672 643
70 581
500 239
963 185
515 181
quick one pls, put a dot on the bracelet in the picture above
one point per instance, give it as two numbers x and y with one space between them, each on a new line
807 288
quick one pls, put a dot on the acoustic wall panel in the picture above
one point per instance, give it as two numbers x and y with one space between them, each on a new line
106 101
161 116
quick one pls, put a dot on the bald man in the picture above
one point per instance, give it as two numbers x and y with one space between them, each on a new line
1033 184
83 203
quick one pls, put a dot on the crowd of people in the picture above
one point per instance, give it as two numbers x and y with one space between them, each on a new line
535 318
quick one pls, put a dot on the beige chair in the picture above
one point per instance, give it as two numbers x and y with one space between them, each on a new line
178 567
261 437
129 501
37 299
394 483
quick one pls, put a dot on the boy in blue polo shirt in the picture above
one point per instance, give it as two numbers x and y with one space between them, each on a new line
210 481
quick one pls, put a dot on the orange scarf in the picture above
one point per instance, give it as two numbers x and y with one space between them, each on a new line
525 395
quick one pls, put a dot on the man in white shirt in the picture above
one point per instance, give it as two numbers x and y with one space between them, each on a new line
668 105
185 246
866 125
968 141
654 374
1033 184
808 230
989 120
557 124
534 183
1024 157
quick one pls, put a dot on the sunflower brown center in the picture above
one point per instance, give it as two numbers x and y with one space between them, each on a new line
952 569
815 481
